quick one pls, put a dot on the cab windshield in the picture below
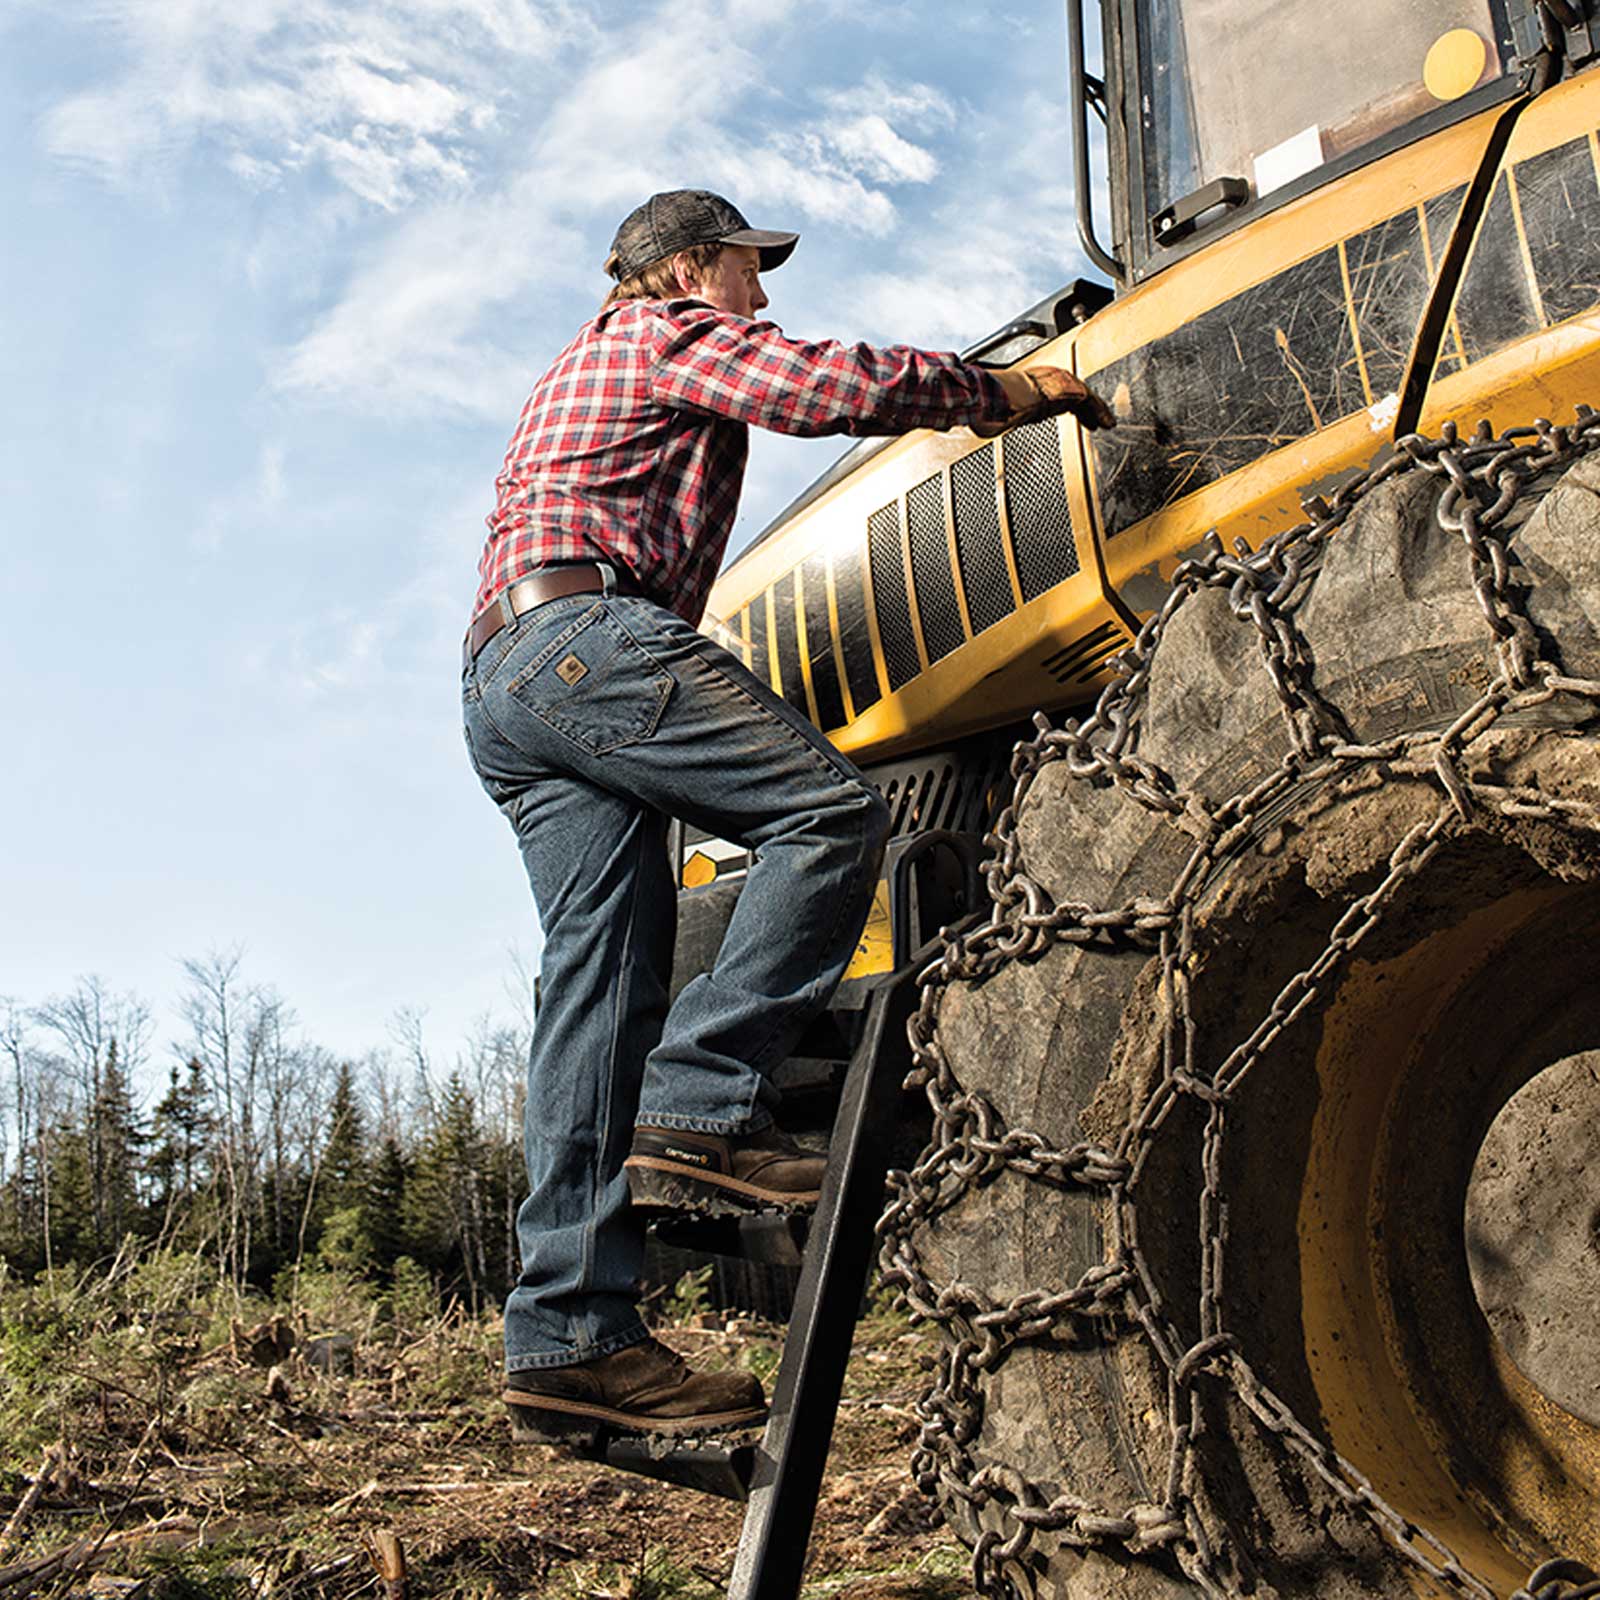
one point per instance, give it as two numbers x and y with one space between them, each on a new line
1268 90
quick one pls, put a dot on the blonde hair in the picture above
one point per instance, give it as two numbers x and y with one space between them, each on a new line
659 279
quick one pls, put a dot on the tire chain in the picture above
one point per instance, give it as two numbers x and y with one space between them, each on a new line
1483 478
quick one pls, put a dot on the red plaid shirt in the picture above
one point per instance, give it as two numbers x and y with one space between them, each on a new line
631 448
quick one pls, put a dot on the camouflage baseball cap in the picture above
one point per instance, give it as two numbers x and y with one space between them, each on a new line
680 218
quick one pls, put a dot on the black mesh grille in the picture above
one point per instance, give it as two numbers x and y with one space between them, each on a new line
855 638
889 591
930 567
788 640
978 544
819 645
759 664
1036 502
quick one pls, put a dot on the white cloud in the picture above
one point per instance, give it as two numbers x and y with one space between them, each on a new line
993 235
872 148
258 174
917 105
496 226
793 175
418 327
408 333
382 91
383 172
392 100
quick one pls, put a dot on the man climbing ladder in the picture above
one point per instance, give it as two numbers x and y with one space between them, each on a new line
594 711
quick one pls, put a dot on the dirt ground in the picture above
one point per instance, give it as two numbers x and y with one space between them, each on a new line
270 1465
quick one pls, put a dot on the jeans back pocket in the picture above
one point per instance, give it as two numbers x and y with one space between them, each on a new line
595 684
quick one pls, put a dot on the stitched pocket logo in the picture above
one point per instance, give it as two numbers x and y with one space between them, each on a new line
570 669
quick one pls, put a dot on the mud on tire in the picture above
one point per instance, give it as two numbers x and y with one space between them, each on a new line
1279 932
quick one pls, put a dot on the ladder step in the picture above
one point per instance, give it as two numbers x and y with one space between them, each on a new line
720 1466
776 1237
718 1469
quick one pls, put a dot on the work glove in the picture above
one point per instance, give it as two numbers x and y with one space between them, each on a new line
1041 392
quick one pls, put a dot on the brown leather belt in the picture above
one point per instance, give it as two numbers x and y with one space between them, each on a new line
546 584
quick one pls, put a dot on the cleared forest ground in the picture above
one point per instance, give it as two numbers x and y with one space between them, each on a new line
162 1440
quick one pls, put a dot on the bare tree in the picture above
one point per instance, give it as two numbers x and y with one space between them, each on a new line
103 1037
16 1029
405 1028
13 1047
213 1006
379 1075
497 1056
52 1104
281 1079
521 984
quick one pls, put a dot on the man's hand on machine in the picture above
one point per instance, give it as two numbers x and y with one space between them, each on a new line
1043 392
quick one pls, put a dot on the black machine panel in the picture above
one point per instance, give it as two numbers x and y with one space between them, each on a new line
759 661
1558 194
787 636
1275 363
819 645
855 637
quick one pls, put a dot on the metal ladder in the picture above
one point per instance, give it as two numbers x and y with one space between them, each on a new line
779 1478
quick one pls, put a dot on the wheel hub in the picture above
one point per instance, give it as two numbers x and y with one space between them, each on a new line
1533 1232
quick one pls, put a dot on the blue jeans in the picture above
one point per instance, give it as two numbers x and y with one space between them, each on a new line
591 720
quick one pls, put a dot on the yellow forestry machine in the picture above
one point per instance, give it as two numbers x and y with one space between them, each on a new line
1256 1230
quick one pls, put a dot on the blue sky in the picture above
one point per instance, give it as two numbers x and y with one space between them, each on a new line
277 275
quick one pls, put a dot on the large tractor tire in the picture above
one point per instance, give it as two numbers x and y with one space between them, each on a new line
1259 1227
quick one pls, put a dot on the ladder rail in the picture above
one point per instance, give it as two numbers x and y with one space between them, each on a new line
787 1469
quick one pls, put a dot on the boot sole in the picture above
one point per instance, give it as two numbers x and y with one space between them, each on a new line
653 1181
537 1419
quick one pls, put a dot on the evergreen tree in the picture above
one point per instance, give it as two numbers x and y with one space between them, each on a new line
116 1144
182 1125
386 1206
445 1198
70 1178
341 1207
343 1163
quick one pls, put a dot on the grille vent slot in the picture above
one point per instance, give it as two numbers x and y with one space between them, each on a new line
1036 503
1083 658
946 791
979 547
930 567
889 591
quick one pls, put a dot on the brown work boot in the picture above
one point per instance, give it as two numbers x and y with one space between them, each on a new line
694 1171
645 1388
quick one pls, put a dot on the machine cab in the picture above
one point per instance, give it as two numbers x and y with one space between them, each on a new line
1228 104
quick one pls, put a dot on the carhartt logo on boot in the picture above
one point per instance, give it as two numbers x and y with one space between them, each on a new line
569 669
692 1158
